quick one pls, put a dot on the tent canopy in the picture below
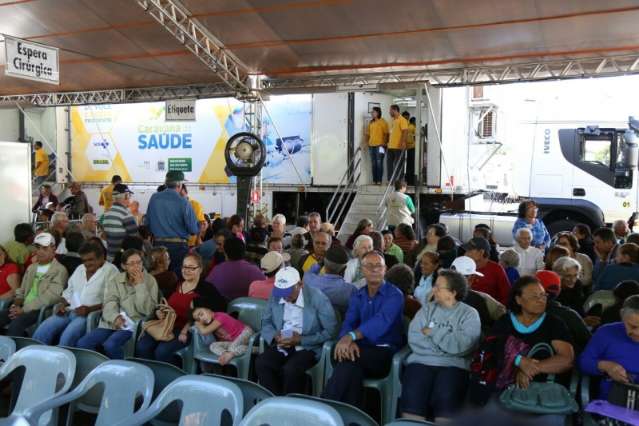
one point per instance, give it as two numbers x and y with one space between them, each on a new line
117 44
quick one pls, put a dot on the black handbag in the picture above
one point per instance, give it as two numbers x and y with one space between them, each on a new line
624 395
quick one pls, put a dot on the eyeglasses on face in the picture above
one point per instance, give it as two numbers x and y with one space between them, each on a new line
190 268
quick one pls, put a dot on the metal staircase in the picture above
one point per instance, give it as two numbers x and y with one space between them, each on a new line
353 202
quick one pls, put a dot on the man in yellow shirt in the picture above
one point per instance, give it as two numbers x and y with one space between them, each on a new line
398 141
410 149
106 196
195 240
41 164
377 133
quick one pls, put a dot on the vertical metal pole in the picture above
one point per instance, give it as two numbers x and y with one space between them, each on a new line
67 129
350 133
419 154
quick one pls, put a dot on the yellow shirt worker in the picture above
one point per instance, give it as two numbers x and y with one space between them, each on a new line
410 141
399 132
106 195
199 215
41 161
377 132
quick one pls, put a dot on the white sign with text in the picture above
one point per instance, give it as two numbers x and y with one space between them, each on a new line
180 110
33 61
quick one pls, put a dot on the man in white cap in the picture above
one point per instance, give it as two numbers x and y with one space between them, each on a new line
42 285
489 309
270 264
295 325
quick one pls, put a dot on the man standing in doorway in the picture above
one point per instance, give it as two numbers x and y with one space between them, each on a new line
106 195
397 143
172 220
41 164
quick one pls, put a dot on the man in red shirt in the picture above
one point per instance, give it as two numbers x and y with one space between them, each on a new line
495 281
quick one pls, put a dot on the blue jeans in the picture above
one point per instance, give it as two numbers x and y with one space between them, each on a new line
112 341
69 327
149 348
377 163
177 252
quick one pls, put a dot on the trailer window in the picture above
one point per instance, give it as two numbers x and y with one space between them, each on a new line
596 151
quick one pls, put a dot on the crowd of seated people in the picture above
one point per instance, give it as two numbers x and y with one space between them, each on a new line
442 299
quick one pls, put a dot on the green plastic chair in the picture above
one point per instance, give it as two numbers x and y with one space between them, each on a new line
407 422
285 410
203 399
252 392
351 416
389 387
7 348
23 342
48 373
123 382
249 311
605 298
164 373
317 373
587 383
86 361
93 319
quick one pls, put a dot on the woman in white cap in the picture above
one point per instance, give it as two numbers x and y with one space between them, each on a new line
270 264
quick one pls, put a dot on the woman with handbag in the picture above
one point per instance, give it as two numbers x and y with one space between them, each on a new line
169 332
525 327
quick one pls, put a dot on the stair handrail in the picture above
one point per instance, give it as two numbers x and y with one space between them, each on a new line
382 207
349 180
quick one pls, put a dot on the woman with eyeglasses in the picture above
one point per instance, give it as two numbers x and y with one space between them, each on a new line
130 296
193 291
527 218
441 337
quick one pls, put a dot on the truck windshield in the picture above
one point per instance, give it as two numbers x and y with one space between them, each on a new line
596 151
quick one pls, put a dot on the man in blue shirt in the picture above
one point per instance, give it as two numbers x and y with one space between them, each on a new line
371 334
171 219
329 278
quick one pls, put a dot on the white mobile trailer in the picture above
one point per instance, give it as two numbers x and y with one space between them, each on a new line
562 144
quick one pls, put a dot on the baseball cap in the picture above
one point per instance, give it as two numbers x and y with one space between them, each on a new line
550 280
298 230
121 188
337 255
44 240
478 243
271 261
285 279
174 176
465 266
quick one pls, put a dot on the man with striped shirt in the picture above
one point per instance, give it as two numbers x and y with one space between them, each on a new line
118 222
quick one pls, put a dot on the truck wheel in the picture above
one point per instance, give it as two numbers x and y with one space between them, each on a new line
560 225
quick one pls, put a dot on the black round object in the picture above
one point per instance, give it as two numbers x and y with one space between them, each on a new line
245 154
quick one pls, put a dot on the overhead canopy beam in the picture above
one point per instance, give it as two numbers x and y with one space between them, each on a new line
608 66
603 66
119 96
177 20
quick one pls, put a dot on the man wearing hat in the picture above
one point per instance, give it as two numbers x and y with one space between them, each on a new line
118 222
172 220
295 325
493 279
551 282
328 276
42 285
270 264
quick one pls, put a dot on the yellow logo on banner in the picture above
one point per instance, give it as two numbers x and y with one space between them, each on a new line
214 169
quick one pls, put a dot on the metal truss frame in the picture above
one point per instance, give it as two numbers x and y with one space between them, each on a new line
607 66
603 66
118 96
176 19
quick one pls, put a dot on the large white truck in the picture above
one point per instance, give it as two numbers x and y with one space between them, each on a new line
568 145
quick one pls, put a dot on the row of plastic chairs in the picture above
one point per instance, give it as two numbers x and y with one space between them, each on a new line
113 389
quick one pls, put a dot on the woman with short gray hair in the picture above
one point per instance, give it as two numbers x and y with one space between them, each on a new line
573 293
442 337
612 351
353 274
